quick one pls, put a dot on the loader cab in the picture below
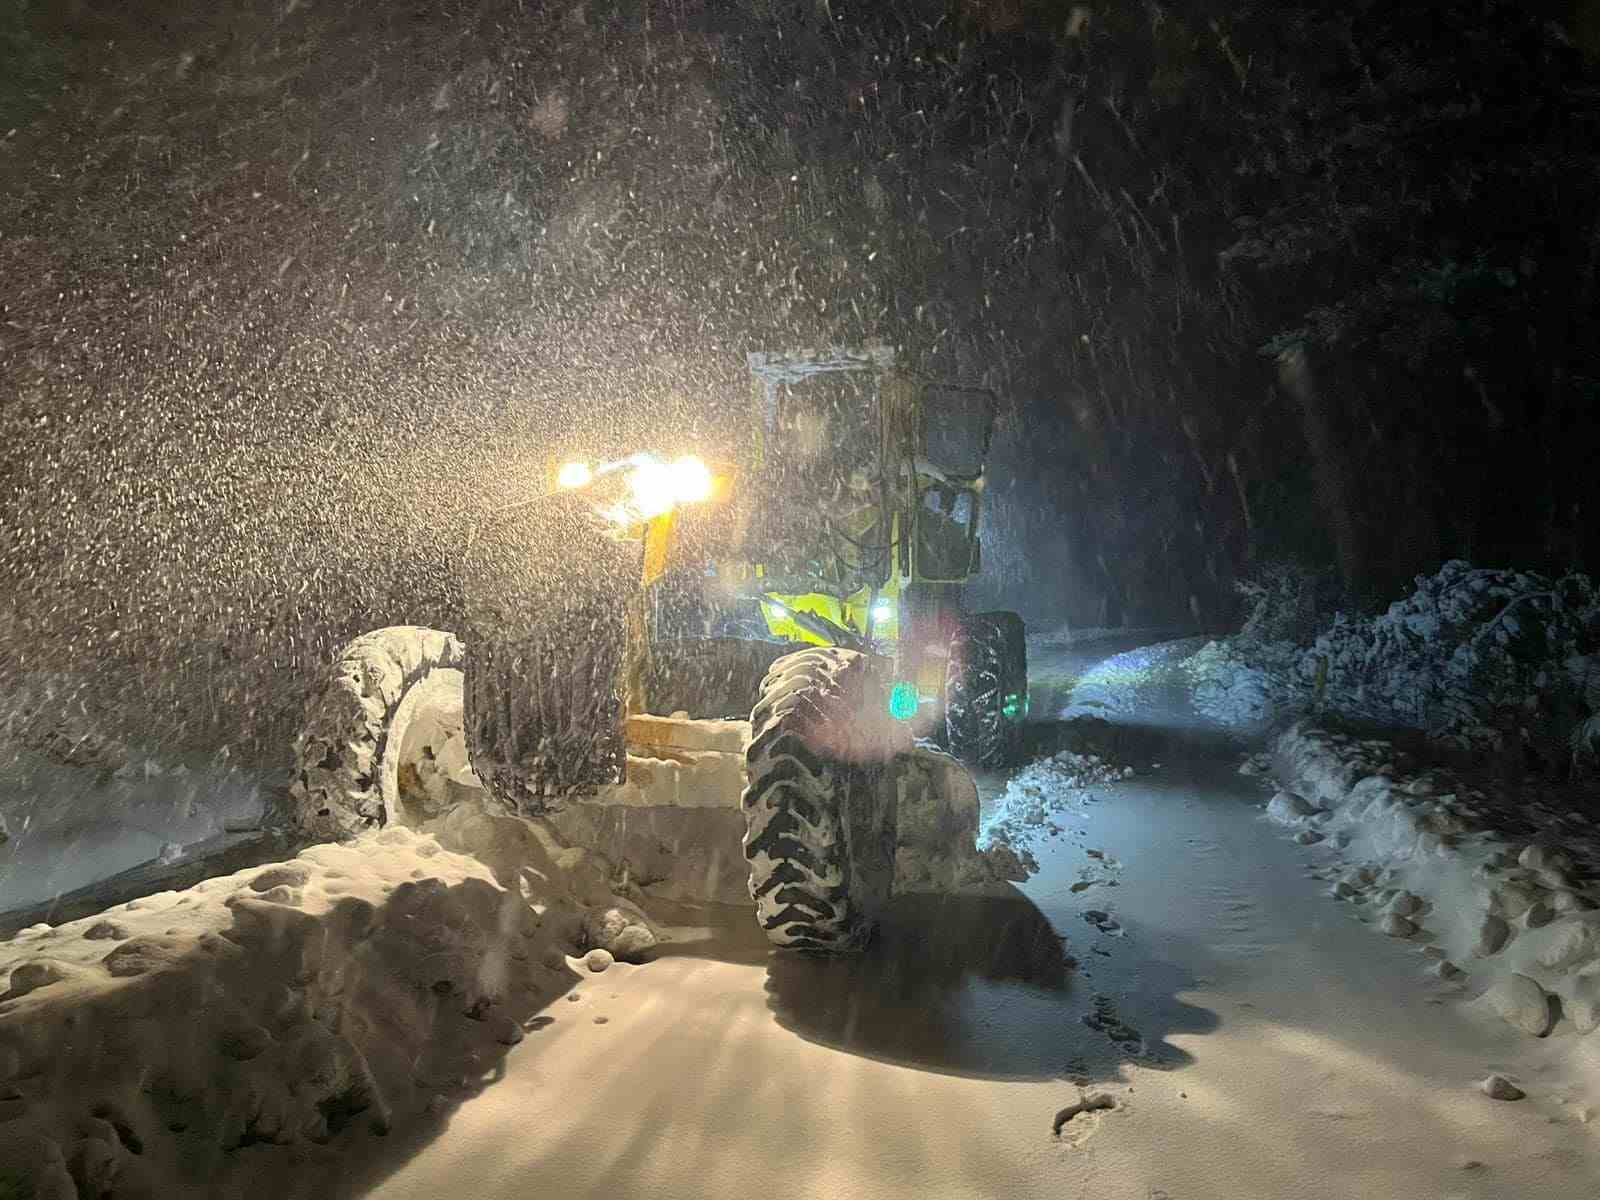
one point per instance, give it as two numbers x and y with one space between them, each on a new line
956 429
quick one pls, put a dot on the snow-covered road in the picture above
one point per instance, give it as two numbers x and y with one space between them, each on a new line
1258 1041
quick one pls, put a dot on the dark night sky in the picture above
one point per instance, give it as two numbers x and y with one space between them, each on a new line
291 291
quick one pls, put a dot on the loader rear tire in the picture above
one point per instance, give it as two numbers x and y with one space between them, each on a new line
340 757
819 827
986 688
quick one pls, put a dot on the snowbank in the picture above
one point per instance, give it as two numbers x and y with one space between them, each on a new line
1475 656
1499 893
1483 659
1245 689
223 1039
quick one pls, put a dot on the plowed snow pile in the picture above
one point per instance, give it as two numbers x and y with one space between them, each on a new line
1500 895
1043 790
231 1038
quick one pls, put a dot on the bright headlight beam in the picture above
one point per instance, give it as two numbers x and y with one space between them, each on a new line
691 480
574 475
653 489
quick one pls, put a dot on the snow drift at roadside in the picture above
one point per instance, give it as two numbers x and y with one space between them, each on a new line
230 1037
1428 857
1482 659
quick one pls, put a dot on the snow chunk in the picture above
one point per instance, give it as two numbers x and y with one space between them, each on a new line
621 930
1045 788
1572 941
1404 904
1289 809
1498 1087
1397 926
1522 1003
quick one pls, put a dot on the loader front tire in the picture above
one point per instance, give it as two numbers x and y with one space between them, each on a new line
819 827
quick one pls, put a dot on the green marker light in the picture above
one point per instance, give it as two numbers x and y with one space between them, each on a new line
903 701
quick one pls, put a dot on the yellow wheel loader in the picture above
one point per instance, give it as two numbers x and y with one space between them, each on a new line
642 623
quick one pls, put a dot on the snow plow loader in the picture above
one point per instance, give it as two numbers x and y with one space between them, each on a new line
757 686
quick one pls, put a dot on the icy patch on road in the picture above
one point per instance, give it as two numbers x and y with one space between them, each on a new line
1499 895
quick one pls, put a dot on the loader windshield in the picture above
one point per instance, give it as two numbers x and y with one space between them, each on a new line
829 426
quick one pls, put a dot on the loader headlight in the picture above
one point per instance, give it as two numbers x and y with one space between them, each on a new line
574 475
652 488
691 480
656 487
632 491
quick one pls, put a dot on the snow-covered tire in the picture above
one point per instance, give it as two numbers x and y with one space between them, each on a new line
986 673
337 788
819 829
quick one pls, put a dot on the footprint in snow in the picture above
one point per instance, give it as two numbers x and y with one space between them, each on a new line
1095 1102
